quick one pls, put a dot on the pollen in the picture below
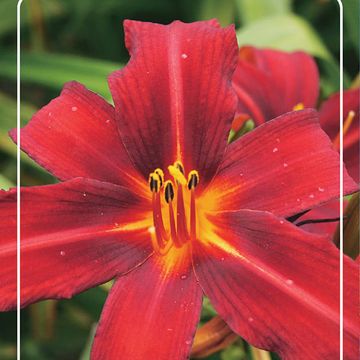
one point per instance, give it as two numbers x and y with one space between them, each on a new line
169 191
159 172
177 172
193 179
154 182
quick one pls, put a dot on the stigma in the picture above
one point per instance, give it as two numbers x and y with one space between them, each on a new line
174 207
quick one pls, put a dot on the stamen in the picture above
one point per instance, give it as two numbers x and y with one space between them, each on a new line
193 179
299 106
169 191
347 123
182 231
192 215
160 173
160 231
161 250
154 182
169 197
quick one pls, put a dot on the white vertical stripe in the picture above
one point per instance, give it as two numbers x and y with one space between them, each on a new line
18 7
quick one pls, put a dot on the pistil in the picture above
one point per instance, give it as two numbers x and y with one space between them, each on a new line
161 236
193 180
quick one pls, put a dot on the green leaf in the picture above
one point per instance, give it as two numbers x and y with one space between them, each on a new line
49 8
233 352
286 32
8 112
221 10
53 70
8 116
351 20
5 183
85 355
252 10
207 309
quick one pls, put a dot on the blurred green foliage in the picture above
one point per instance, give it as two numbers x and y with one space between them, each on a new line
66 40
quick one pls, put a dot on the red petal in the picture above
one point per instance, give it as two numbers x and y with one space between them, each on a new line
278 286
285 166
271 82
330 210
329 120
174 99
150 314
74 235
75 136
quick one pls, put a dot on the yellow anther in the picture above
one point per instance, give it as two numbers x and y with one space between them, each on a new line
299 106
169 191
161 175
176 173
154 182
180 166
193 179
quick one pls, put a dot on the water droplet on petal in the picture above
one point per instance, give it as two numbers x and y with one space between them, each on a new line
62 253
289 282
311 196
188 342
170 329
84 194
298 200
49 113
107 121
241 174
184 56
222 259
151 230
183 277
285 165
277 140
74 108
250 319
101 213
275 149
281 221
321 189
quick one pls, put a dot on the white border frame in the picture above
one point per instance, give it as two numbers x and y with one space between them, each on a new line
18 176
341 260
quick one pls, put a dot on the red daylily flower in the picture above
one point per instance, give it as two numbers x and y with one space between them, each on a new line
211 218
271 82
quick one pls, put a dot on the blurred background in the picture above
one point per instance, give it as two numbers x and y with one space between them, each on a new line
82 40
